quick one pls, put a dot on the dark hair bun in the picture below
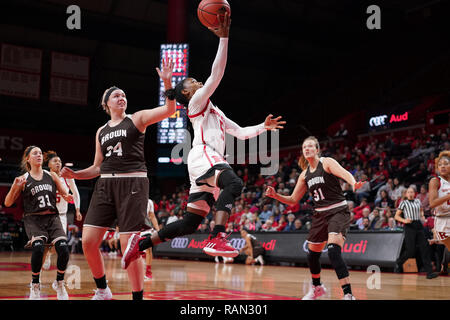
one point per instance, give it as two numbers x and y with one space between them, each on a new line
170 94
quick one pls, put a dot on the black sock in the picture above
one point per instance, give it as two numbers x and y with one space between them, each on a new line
59 276
316 281
347 288
101 282
35 278
217 229
146 243
138 295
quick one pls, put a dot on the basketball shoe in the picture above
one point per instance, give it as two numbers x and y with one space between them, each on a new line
132 251
220 246
148 273
315 292
35 291
102 294
59 287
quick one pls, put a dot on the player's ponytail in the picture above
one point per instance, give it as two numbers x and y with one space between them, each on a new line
49 155
170 94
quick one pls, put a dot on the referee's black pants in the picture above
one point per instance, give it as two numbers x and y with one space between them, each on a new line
415 236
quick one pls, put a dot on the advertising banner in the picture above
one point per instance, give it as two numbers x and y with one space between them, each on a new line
360 249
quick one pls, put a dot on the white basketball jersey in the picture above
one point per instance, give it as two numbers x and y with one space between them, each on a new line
444 189
62 204
209 128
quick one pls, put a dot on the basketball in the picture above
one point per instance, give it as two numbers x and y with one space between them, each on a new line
209 9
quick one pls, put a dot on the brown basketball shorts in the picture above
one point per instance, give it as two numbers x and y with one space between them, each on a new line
121 201
336 220
48 227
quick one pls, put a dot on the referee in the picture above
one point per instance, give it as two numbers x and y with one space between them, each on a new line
414 233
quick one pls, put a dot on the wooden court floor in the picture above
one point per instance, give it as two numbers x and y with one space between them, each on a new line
187 280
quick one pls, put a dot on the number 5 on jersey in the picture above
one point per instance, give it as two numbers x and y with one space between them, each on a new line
116 149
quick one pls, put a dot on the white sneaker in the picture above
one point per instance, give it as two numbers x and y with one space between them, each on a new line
35 291
228 260
315 292
216 259
349 296
59 287
48 262
260 259
102 294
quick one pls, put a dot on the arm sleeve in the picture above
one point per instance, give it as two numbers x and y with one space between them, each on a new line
202 95
76 194
235 130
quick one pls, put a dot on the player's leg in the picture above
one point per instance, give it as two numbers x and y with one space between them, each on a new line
231 186
338 224
91 241
316 242
135 270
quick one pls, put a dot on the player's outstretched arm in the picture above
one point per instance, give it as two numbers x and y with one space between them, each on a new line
298 193
218 68
249 132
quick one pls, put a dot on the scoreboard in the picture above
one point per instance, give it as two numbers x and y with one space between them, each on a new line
172 129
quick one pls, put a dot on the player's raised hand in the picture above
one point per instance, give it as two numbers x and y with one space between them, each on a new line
273 124
167 68
223 30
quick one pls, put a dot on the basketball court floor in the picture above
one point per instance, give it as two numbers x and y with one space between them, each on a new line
203 280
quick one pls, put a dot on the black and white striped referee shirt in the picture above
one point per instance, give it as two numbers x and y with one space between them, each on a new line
410 209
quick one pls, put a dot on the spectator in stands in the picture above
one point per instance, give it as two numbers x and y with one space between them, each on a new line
375 220
298 225
265 214
423 197
398 189
420 175
364 191
342 132
359 209
384 201
388 187
282 223
172 217
365 224
392 225
268 225
290 226
365 214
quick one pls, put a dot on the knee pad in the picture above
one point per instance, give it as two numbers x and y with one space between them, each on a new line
37 256
231 186
187 225
334 253
63 254
314 261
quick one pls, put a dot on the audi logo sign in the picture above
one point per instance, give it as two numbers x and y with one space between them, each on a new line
378 121
179 243
237 243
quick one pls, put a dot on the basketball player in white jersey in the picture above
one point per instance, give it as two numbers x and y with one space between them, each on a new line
439 196
54 163
209 172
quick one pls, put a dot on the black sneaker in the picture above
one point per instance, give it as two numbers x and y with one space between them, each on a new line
432 275
398 268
